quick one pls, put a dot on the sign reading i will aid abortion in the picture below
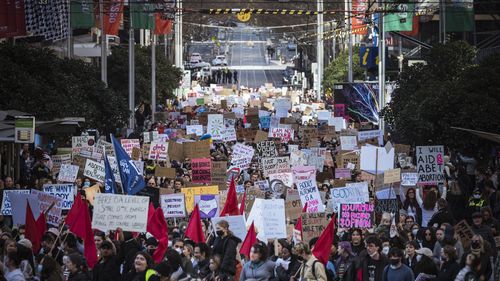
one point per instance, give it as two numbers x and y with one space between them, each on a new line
111 211
430 164
64 191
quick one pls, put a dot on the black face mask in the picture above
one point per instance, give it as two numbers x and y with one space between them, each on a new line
395 261
220 233
475 245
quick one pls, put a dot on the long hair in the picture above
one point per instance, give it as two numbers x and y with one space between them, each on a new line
430 200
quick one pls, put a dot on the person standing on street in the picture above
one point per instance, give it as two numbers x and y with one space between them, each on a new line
396 270
235 77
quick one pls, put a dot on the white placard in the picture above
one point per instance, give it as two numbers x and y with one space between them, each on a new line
305 179
351 194
18 201
64 191
236 225
95 170
366 135
158 151
348 142
374 164
269 218
338 122
7 204
409 179
112 211
68 173
430 164
215 126
194 129
324 114
173 205
275 165
228 134
54 216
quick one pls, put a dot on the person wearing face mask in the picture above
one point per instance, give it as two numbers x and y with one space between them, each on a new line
225 246
151 245
370 264
214 266
186 264
425 266
142 270
449 267
386 245
479 228
479 248
201 255
476 202
108 267
446 236
396 270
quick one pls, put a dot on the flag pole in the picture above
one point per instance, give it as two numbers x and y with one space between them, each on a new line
131 73
153 75
104 45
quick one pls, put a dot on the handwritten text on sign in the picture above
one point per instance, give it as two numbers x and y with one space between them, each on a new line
305 178
6 204
173 205
201 170
63 191
127 212
356 215
313 225
430 164
284 134
45 200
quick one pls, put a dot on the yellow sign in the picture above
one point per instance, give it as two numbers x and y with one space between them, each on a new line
243 17
190 192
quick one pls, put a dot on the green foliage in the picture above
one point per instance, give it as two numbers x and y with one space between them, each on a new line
338 70
167 76
450 91
35 80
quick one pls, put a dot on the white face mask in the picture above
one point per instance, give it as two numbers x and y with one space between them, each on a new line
178 250
385 250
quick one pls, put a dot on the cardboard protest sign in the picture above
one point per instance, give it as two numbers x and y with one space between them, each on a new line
352 193
305 178
158 151
201 170
208 205
293 207
465 232
252 194
215 126
59 160
267 149
68 173
64 191
275 165
45 200
129 144
199 149
268 217
430 164
95 170
260 136
313 225
173 205
190 192
219 173
356 215
6 202
236 225
165 172
348 142
342 173
344 159
284 134
194 129
387 206
409 179
127 212
392 176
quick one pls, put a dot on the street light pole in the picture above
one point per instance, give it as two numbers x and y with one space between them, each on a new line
153 75
381 67
319 47
104 45
131 75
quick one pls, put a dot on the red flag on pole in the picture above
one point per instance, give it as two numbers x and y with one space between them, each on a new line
325 240
71 218
250 239
194 230
82 227
298 226
231 205
242 204
151 211
157 226
41 225
31 232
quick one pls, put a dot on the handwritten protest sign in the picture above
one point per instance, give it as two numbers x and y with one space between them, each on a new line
465 232
430 164
269 218
194 129
219 173
265 122
68 173
59 160
305 178
252 194
343 160
342 173
82 141
173 205
293 207
348 142
313 225
208 205
316 157
215 126
356 215
199 149
95 170
45 200
275 165
352 193
387 206
190 193
409 179
236 225
201 170
298 158
129 144
6 202
158 151
373 134
129 213
267 149
392 176
284 134
64 191
285 177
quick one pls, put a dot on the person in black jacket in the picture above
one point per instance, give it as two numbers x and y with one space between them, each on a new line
202 256
370 263
225 246
108 267
449 268
287 265
142 270
77 268
443 215
128 248
411 255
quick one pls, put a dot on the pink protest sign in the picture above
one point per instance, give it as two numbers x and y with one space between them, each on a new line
356 215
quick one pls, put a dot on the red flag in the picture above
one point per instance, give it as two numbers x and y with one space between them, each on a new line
72 216
157 226
83 229
194 229
162 26
242 204
31 232
298 226
325 240
231 205
151 211
250 239
113 15
41 225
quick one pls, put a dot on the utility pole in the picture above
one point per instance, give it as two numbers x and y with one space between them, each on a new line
153 74
104 45
178 36
381 67
319 46
349 73
131 75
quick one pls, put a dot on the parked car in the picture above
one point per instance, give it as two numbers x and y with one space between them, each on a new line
220 60
195 58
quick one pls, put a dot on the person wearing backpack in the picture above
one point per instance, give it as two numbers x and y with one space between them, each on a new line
312 268
396 270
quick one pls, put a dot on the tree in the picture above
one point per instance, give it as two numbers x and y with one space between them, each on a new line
167 76
35 80
338 70
452 90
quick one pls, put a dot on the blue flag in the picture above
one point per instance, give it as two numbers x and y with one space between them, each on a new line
109 182
132 181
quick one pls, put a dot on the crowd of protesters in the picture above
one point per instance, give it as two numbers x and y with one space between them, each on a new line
422 244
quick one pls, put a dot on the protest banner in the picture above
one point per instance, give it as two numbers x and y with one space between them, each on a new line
313 225
64 191
305 179
45 200
352 193
293 207
201 170
267 149
158 151
68 173
82 141
59 160
376 159
316 157
6 202
364 136
190 192
275 165
199 149
228 134
430 164
173 205
268 217
236 225
348 142
112 211
215 126
129 144
342 173
208 205
465 232
356 215
392 176
387 206
284 134
218 173
165 172
285 177
409 179
194 129
95 170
